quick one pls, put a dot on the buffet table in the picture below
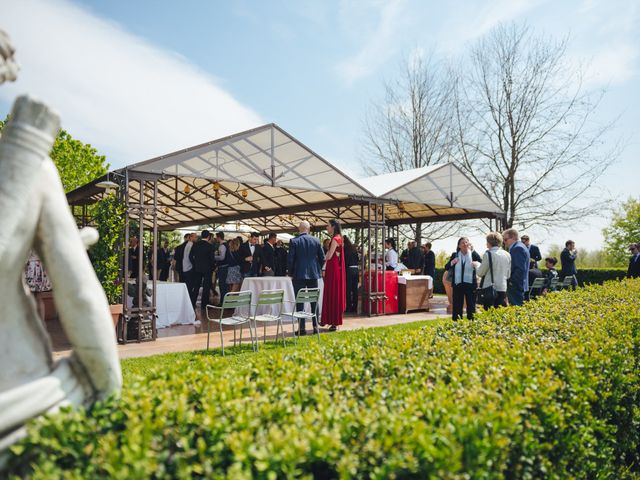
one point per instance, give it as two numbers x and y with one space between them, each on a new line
173 305
414 292
255 285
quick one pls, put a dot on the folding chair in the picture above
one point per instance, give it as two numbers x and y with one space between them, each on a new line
231 301
538 284
567 282
304 296
553 285
273 298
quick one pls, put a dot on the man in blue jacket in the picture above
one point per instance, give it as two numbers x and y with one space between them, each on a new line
519 281
534 251
304 264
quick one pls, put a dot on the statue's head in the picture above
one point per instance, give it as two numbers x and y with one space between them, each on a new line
8 65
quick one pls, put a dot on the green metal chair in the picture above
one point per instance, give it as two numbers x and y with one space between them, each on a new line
231 301
304 296
567 282
553 286
273 298
538 285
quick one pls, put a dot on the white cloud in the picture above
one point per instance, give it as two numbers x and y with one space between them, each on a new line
380 44
612 65
471 20
606 37
129 98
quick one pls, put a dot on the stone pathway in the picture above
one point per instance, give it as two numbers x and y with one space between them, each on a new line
183 338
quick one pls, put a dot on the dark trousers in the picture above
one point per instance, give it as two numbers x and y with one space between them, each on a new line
202 279
164 274
299 284
516 296
499 301
462 292
190 279
222 281
352 289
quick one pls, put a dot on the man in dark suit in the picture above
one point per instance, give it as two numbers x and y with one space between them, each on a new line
534 272
281 259
269 256
429 261
178 255
164 261
251 255
202 257
634 262
519 281
134 253
415 258
304 264
568 260
534 251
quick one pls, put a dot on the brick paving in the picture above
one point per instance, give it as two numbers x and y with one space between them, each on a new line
183 338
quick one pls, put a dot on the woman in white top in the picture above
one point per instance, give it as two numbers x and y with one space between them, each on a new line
501 266
391 255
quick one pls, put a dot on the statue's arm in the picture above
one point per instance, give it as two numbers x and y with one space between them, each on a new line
80 301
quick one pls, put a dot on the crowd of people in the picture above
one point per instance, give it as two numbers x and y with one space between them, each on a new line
306 260
504 276
501 276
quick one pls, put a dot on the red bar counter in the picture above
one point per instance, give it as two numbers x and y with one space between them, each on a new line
391 291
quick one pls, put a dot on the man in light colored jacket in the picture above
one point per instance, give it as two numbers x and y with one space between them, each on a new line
501 263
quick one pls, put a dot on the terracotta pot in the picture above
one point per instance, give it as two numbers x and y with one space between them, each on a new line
116 311
46 307
448 290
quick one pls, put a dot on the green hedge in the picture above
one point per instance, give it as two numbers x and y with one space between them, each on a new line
548 390
599 275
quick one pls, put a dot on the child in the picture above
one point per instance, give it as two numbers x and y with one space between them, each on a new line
550 264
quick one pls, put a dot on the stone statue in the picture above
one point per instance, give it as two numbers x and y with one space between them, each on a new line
35 216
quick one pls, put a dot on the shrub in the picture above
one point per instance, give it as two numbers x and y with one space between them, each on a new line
548 390
105 254
599 275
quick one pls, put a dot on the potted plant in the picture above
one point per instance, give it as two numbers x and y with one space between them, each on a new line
105 255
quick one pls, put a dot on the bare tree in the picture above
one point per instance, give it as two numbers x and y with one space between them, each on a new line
525 129
411 128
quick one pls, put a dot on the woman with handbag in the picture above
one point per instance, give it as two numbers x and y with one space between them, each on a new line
462 273
495 269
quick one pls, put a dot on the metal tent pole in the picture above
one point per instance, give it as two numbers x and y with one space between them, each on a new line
126 311
155 258
140 277
384 279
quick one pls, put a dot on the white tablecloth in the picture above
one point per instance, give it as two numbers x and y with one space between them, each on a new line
405 278
257 284
173 305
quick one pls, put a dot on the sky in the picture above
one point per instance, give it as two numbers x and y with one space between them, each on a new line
138 79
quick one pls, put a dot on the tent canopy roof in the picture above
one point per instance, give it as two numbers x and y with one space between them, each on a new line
437 185
270 181
265 155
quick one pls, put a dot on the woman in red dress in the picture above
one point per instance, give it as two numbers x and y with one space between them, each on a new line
334 297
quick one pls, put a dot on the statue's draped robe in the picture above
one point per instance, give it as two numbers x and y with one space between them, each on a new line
35 215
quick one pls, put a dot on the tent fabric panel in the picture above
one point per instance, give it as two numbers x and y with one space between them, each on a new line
247 157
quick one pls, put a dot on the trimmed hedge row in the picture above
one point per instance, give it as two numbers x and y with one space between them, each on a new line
548 390
599 275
